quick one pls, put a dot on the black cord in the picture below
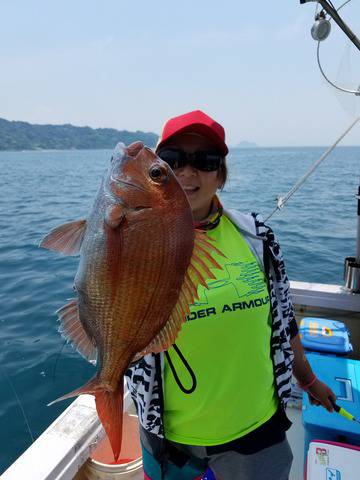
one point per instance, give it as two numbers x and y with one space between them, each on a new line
187 366
329 1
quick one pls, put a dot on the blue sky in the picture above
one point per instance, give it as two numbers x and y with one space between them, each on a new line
131 65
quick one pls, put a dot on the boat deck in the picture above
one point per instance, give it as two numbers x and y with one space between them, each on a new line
296 439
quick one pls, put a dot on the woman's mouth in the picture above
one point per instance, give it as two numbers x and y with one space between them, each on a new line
190 190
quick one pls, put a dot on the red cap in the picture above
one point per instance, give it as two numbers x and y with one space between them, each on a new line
195 122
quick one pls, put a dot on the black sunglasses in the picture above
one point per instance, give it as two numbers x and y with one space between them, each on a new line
206 161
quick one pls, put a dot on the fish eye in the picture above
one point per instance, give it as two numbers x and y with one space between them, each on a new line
158 173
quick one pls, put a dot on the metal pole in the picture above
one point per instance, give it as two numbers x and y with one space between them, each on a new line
333 14
357 258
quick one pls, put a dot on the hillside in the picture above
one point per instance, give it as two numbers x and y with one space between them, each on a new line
16 135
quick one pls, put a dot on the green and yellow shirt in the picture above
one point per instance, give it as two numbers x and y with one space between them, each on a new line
226 341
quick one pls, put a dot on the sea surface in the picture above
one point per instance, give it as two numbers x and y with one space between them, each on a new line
43 189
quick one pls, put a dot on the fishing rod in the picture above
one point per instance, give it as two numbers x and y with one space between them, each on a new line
282 200
324 29
341 411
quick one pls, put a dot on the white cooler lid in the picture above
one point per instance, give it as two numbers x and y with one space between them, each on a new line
332 461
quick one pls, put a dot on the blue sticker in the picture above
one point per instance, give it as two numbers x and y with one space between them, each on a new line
208 475
333 474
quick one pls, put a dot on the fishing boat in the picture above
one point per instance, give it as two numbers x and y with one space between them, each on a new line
73 445
69 447
64 450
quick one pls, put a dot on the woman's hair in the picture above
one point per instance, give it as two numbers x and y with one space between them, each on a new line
223 172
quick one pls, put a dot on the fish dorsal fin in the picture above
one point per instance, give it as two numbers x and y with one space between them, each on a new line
72 329
198 273
66 238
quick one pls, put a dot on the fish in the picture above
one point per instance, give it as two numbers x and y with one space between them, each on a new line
141 262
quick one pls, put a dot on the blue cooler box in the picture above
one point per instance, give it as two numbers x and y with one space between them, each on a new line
325 335
342 375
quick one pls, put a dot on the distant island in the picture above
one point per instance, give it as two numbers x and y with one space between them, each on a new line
16 135
245 144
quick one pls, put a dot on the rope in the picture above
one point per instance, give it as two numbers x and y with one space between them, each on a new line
187 366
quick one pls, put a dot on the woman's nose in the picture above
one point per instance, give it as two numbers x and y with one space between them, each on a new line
187 171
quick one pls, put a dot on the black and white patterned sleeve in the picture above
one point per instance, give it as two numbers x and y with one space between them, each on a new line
281 276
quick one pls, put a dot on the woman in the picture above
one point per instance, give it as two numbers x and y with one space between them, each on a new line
216 400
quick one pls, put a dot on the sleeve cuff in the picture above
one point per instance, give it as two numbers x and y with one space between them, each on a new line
293 328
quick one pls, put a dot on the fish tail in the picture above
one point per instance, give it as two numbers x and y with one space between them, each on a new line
109 406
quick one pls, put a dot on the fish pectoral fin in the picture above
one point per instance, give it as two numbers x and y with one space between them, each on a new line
197 274
72 329
114 215
66 238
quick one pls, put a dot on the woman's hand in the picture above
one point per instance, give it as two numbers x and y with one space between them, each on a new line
318 391
320 394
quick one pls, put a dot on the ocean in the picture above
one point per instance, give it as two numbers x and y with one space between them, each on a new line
40 190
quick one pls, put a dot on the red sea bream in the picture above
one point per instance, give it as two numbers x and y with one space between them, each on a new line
141 261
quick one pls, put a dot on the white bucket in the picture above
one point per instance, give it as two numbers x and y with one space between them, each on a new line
101 465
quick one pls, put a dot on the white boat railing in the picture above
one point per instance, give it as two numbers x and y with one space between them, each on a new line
323 295
65 445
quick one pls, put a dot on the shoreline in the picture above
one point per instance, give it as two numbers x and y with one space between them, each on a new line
153 146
